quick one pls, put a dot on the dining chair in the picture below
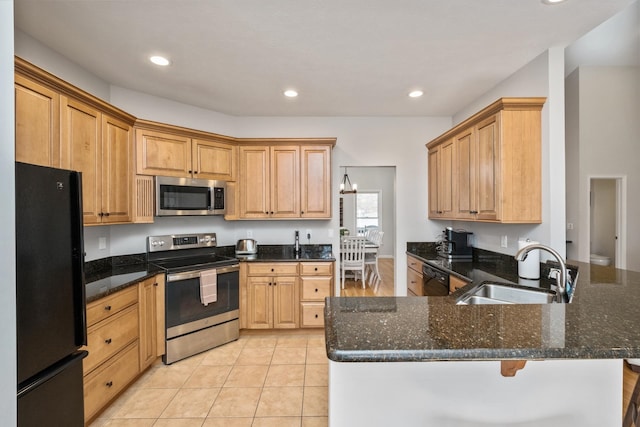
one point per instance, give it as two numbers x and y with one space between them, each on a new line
352 254
371 256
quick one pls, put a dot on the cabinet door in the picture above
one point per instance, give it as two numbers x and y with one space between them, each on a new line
434 208
259 302
117 170
160 315
315 183
82 151
285 182
37 123
286 302
213 160
488 171
465 173
254 182
147 311
441 184
162 154
414 283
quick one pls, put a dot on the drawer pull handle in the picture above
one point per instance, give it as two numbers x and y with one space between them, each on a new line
108 341
107 307
109 384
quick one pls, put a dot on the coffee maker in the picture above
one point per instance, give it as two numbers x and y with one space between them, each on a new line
456 244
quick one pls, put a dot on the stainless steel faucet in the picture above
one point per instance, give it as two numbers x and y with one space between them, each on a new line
561 279
297 246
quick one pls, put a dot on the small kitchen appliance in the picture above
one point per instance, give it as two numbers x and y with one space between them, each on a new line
456 244
246 247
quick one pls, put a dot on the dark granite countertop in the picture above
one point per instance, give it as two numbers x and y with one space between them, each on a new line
285 253
108 275
601 322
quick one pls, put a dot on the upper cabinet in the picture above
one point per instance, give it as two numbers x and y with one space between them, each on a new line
173 151
285 179
488 168
59 125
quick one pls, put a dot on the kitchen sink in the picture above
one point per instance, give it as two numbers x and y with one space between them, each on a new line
506 293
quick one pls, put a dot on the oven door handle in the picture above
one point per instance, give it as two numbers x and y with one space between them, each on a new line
175 277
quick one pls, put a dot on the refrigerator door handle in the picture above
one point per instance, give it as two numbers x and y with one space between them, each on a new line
80 317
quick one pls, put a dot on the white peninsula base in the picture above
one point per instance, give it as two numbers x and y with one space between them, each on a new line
549 393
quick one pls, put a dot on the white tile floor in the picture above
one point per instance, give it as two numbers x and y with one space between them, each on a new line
259 381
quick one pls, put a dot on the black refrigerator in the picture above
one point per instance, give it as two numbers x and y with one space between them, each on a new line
50 296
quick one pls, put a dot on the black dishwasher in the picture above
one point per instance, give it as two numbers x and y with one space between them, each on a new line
434 280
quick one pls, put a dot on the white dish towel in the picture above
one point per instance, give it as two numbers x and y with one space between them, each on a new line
208 286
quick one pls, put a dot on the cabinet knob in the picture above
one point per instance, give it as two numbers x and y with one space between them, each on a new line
316 316
106 214
195 171
109 384
316 289
108 341
272 269
315 269
190 171
473 212
302 212
107 307
271 212
100 214
155 284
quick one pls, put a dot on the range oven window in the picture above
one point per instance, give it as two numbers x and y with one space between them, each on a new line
183 299
177 197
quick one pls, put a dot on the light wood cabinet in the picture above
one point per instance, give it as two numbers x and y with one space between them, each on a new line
273 296
279 181
125 335
112 343
414 277
37 123
152 326
100 147
284 295
441 190
173 151
62 126
497 170
316 283
456 283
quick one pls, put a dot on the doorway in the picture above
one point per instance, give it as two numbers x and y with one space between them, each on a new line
374 205
607 222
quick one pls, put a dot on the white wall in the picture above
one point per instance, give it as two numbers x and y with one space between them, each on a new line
543 76
608 107
8 375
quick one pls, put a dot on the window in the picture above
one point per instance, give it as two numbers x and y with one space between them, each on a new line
367 210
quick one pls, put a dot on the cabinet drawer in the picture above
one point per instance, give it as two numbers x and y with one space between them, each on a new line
105 383
414 264
312 314
316 288
267 269
105 307
316 268
414 282
108 337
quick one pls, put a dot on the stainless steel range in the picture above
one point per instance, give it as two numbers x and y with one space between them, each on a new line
202 293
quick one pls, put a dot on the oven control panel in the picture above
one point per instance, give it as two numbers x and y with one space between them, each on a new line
174 242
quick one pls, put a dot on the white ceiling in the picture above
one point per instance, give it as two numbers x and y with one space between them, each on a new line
345 57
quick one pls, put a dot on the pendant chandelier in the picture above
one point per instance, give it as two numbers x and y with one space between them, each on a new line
345 185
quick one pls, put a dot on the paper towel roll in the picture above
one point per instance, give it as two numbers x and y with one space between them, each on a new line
530 267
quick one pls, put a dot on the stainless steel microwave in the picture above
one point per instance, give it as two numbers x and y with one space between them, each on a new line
186 196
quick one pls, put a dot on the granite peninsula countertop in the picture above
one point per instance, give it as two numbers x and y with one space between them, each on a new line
112 274
602 322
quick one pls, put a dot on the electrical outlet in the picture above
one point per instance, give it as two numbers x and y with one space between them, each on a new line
330 232
504 241
308 234
569 226
102 243
249 234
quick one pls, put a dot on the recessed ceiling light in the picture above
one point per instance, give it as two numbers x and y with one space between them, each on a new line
159 60
552 1
290 93
416 94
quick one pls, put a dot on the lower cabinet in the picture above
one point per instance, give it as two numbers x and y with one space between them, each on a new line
456 283
316 282
284 295
124 332
414 277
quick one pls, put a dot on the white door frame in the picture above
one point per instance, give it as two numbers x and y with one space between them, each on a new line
621 218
